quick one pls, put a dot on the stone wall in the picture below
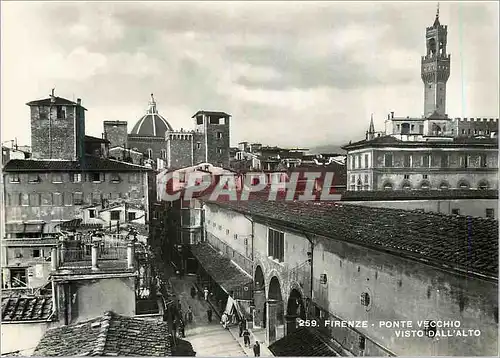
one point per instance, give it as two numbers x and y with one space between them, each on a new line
116 133
53 138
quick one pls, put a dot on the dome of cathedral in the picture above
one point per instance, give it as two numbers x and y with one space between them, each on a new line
151 124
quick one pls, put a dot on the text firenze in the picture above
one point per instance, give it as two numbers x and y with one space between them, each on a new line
240 187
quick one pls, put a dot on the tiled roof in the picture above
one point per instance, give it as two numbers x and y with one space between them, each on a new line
59 101
465 244
151 125
303 342
212 113
29 242
219 267
110 334
419 194
89 163
19 309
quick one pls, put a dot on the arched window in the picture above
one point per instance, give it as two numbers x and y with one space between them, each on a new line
163 154
444 185
406 185
483 185
388 185
463 184
150 153
425 185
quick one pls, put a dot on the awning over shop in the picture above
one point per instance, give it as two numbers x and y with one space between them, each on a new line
220 268
232 306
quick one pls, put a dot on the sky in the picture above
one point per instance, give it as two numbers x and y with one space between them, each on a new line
290 73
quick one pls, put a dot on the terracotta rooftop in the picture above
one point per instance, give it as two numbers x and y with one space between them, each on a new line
110 334
302 343
212 113
460 243
59 101
89 163
219 267
19 309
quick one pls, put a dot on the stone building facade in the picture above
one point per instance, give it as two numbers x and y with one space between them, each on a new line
153 136
67 172
309 265
431 153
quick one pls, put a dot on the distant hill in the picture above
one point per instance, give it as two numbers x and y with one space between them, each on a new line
329 148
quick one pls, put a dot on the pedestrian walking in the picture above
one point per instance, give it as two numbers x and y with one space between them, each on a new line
246 338
205 291
189 315
193 292
174 327
242 326
224 320
256 349
209 315
182 333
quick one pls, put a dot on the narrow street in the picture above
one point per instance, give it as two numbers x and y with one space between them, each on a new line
207 339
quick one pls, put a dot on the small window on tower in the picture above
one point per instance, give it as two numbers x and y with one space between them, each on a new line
198 145
61 112
199 120
219 135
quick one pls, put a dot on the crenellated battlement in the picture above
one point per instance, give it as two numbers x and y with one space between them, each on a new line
441 27
181 135
471 119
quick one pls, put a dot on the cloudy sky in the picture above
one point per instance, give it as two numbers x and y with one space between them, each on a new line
292 74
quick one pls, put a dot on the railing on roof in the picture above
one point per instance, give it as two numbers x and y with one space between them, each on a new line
104 253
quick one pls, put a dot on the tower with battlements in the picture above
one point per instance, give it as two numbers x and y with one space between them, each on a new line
435 69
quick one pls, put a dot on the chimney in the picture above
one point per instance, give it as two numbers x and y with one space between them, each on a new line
95 248
130 255
52 96
53 259
79 101
392 114
388 116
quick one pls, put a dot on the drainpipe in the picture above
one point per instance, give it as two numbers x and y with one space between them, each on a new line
253 231
312 274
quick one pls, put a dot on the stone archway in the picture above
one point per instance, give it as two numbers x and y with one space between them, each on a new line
259 299
275 312
295 310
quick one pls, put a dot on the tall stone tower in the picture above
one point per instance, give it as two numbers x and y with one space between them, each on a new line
435 69
57 128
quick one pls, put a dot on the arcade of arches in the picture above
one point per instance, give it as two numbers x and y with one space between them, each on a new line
269 313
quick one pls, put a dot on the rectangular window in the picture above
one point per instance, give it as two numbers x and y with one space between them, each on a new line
482 161
43 112
46 199
463 131
198 145
77 198
425 176
406 176
366 161
455 211
366 178
182 177
34 199
24 199
61 112
33 178
36 253
421 129
276 244
76 177
57 199
219 135
407 160
388 160
115 178
115 215
490 213
14 178
199 120
464 161
444 161
425 160
95 177
57 178
353 178
131 216
92 213
18 277
68 199
219 150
